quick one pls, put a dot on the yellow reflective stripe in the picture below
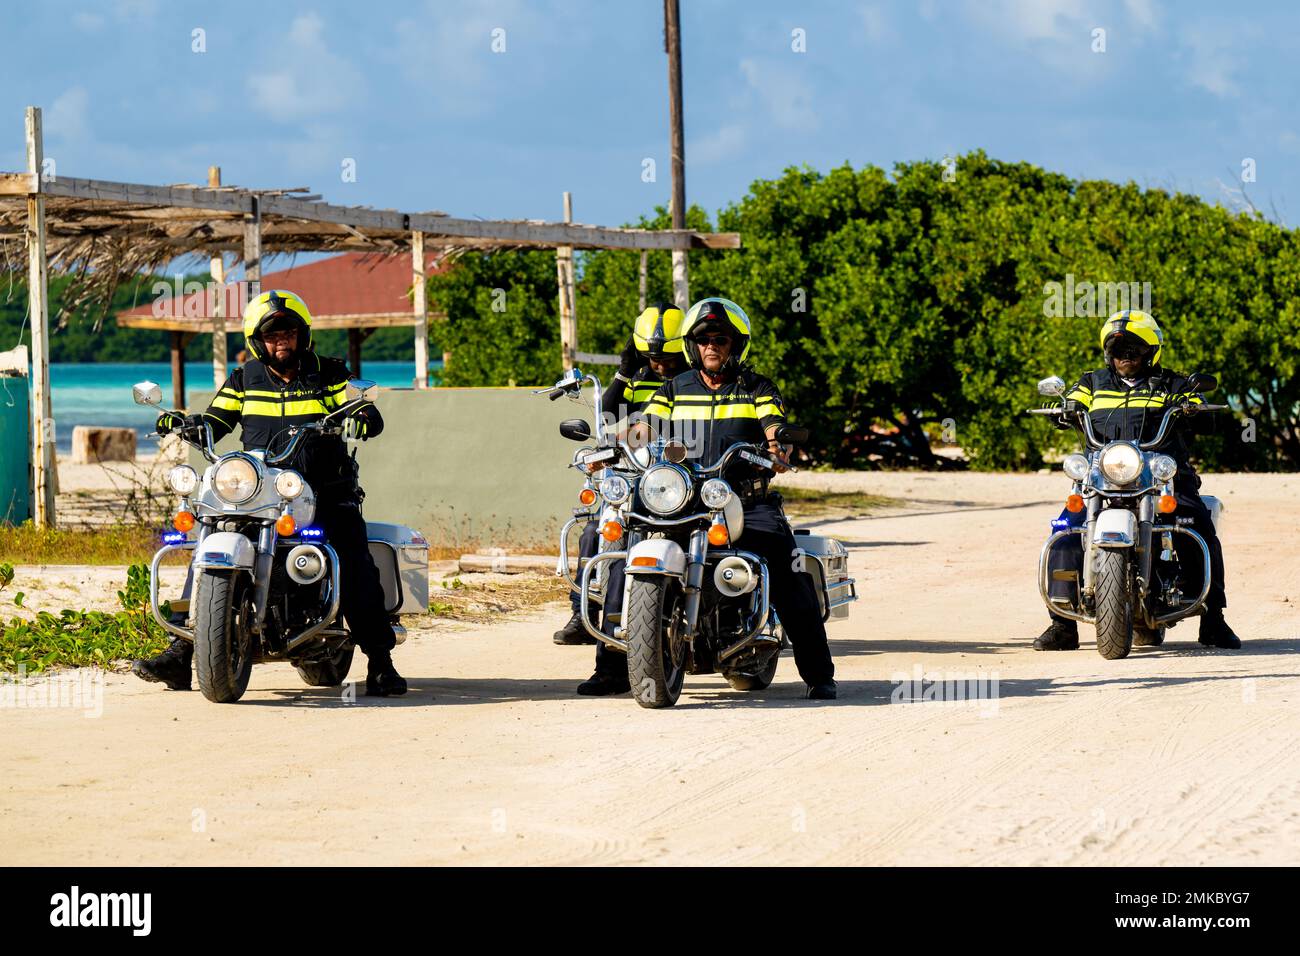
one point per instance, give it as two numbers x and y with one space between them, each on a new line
261 393
1108 401
310 407
225 390
278 410
1080 394
657 409
226 404
715 412
640 395
766 409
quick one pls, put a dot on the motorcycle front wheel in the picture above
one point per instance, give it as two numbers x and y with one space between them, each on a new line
1114 604
223 639
327 672
653 612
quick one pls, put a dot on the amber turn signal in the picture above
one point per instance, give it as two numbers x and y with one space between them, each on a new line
1167 504
1074 504
285 526
184 521
718 535
645 561
586 496
612 531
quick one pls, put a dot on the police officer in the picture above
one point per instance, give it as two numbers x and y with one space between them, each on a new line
652 354
286 383
1127 400
720 401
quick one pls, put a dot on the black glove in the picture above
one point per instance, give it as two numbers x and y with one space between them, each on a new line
169 422
629 361
356 428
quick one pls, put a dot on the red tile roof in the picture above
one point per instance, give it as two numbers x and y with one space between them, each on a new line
354 283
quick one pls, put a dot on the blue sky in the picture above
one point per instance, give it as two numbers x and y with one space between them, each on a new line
434 119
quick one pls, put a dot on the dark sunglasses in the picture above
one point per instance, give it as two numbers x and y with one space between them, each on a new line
1129 354
713 340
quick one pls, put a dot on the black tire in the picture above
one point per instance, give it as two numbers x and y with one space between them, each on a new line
653 607
328 672
223 642
760 681
1114 604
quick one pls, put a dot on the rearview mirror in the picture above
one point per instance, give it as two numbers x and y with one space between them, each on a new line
1052 386
362 389
575 429
791 435
147 393
1201 382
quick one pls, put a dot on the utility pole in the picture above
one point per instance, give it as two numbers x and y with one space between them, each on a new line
673 47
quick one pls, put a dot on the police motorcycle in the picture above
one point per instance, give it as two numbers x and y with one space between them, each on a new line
609 464
1132 581
266 583
694 600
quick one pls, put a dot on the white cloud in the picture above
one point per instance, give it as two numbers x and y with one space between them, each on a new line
783 92
307 78
68 117
1212 62
721 145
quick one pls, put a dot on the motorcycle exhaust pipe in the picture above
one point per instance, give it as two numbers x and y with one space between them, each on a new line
305 564
733 577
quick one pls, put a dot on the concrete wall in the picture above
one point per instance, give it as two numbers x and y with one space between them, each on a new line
468 465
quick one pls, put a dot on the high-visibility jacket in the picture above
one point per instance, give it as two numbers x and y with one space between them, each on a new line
266 406
710 420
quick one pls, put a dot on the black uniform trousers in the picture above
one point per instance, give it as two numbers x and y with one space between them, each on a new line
361 596
1067 554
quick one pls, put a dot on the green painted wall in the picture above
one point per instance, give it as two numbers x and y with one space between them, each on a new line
15 450
468 465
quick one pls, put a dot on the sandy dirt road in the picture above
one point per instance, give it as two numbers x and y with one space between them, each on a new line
1177 755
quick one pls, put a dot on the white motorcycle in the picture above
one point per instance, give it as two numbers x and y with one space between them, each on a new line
265 581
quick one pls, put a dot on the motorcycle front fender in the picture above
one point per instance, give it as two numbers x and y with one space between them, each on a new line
225 551
1115 528
656 556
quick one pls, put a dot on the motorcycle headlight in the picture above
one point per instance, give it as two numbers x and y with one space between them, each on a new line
665 488
183 479
715 493
615 489
1075 467
288 484
1121 462
1163 467
235 480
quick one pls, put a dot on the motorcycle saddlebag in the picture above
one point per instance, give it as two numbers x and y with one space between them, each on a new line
826 561
402 556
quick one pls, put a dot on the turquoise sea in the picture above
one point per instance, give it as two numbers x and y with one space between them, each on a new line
100 394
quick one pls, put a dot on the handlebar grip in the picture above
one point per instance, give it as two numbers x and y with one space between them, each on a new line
556 394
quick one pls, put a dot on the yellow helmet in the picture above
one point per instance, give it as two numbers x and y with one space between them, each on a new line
1140 325
716 313
658 330
269 306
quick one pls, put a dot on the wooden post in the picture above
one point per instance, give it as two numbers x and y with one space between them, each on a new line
178 369
217 267
354 351
253 249
641 282
44 475
673 47
568 315
420 304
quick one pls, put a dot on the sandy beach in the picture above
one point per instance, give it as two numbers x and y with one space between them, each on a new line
1176 755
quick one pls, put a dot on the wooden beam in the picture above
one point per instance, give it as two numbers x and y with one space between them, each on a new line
253 250
44 475
354 351
565 283
378 320
189 197
217 268
420 306
178 369
677 145
19 184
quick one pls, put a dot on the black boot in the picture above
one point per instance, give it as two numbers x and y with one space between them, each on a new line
821 691
171 667
1061 635
1216 633
573 632
382 679
603 685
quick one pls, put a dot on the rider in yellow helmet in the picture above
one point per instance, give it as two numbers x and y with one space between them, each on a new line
286 383
1126 400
